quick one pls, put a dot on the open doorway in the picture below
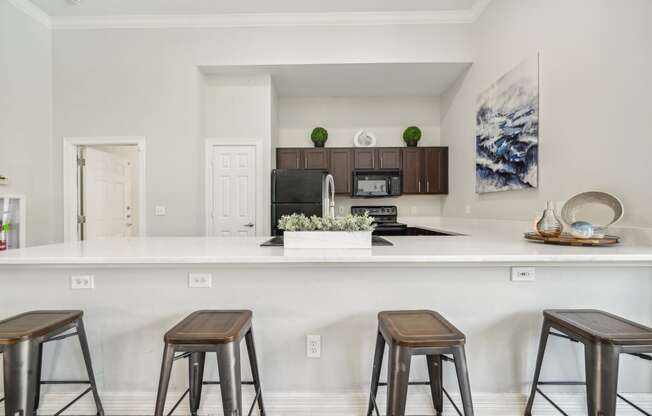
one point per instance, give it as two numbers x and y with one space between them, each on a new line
103 188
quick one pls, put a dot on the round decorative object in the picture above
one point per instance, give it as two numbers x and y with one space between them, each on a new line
581 229
599 209
411 136
364 138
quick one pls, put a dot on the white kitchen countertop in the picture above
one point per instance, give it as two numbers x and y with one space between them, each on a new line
485 242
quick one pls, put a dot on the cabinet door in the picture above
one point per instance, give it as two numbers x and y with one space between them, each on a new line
364 158
436 170
288 158
341 166
389 158
315 159
413 170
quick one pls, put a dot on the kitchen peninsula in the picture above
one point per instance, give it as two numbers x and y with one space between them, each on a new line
141 288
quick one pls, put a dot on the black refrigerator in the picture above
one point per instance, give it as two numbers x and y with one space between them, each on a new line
297 191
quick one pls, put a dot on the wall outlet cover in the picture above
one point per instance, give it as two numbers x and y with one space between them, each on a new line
523 274
313 346
160 210
200 280
82 282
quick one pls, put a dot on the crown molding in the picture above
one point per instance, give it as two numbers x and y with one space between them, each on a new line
268 20
32 11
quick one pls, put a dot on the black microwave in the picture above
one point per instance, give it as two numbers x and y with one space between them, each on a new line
376 183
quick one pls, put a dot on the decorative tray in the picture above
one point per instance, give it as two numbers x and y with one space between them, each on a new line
568 240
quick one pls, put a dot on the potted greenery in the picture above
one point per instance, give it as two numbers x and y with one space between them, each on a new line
411 136
319 136
352 231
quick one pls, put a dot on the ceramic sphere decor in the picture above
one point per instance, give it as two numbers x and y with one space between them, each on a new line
599 209
364 138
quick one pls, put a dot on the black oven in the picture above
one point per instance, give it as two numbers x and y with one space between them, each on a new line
376 183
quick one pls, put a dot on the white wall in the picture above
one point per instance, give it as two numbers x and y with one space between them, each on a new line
146 83
343 117
26 117
596 115
240 108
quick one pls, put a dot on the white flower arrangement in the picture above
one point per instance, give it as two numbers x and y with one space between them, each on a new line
350 223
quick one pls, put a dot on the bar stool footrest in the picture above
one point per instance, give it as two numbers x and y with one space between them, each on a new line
206 383
578 383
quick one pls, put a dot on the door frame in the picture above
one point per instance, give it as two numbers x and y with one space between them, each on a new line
210 144
70 205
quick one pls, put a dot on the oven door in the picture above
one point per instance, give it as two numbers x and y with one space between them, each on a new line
371 184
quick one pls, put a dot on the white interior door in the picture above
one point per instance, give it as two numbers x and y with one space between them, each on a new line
107 195
234 190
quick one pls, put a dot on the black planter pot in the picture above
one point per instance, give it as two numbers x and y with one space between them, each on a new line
319 144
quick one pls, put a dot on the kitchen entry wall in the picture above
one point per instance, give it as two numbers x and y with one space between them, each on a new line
343 117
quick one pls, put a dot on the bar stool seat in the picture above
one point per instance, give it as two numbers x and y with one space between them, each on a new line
22 338
218 331
418 332
605 336
600 326
420 328
30 325
210 327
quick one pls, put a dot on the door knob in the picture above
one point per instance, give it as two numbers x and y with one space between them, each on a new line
251 224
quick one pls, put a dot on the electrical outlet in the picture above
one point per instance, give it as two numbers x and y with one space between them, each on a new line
82 282
160 210
340 210
313 346
200 280
467 209
523 274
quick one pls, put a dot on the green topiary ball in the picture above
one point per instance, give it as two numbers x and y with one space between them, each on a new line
412 135
319 136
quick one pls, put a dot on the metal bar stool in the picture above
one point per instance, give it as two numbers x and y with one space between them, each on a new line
605 337
21 343
211 331
411 333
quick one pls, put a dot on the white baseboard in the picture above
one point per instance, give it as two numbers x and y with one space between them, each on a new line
331 404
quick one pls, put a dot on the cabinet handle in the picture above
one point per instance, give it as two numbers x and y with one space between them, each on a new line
373 162
419 184
427 186
305 163
381 161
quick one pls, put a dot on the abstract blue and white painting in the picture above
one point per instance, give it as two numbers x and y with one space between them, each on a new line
507 131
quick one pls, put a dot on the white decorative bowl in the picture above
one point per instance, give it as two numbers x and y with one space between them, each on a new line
600 209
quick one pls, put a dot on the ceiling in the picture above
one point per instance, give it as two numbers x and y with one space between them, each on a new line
352 80
211 7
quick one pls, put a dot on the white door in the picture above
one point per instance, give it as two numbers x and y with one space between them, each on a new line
234 191
107 195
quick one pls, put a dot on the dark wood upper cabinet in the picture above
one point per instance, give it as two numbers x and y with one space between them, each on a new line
341 166
364 158
424 169
288 158
389 158
315 159
413 161
436 170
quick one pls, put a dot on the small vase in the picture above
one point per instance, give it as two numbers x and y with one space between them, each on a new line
549 225
319 144
411 143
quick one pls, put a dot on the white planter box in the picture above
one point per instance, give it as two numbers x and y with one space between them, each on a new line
327 239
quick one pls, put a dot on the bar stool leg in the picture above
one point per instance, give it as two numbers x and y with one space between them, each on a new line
463 379
537 371
253 363
83 341
39 366
164 380
435 373
20 361
601 362
375 373
398 378
228 365
196 376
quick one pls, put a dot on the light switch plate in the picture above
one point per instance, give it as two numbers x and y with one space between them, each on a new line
200 280
82 282
160 210
523 274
